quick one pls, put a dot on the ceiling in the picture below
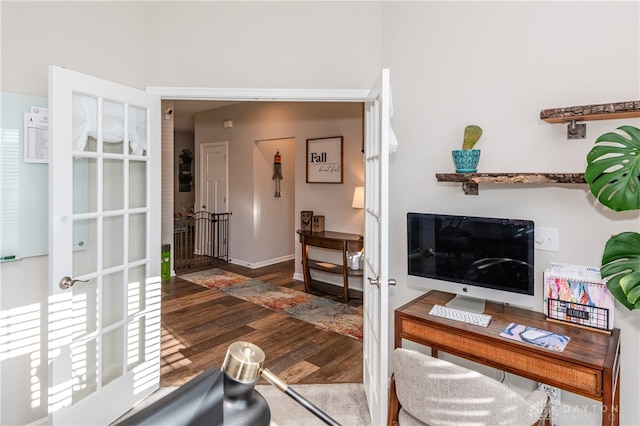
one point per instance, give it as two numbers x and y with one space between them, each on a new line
185 110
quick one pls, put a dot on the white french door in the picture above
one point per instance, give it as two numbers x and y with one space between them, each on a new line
376 243
104 250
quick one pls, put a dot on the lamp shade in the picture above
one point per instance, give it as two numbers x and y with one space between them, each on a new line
358 198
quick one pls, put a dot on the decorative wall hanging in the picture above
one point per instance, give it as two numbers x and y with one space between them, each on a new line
184 171
277 172
324 160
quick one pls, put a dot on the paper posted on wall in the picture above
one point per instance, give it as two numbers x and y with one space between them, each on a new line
578 295
36 135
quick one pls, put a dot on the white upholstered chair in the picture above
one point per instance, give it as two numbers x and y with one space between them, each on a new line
427 390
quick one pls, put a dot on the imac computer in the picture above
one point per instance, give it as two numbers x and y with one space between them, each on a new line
475 258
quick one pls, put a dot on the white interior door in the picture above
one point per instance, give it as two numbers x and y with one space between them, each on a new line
213 195
213 186
104 195
376 283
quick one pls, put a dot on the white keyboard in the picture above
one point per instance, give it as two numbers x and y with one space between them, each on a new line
474 318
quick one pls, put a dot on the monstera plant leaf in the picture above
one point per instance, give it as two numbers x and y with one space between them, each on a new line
613 175
613 169
621 268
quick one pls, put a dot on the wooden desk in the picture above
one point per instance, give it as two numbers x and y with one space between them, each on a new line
589 365
332 241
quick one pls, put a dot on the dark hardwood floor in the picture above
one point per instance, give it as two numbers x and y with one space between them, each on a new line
199 324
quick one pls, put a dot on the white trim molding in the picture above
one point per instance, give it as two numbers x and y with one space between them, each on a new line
248 94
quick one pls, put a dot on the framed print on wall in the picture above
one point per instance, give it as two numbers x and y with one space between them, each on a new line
324 160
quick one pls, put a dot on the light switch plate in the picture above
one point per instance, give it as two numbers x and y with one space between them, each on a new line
547 239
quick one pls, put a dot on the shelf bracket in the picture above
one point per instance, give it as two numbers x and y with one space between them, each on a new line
576 130
470 188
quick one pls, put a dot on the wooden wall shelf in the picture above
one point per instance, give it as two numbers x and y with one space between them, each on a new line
571 114
609 111
470 181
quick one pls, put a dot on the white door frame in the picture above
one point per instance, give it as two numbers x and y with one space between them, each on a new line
248 94
277 95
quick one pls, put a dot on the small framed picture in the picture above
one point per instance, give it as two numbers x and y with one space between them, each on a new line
324 160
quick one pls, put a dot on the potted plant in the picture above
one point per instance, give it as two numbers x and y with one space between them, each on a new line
466 159
613 175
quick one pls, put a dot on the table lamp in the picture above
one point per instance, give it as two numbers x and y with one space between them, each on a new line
358 198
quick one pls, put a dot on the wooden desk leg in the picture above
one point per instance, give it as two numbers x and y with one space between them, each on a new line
611 404
397 340
345 273
616 401
611 397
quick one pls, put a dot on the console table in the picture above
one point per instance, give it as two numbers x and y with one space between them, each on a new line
588 366
332 241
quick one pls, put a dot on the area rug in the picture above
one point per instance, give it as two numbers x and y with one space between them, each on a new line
346 403
331 315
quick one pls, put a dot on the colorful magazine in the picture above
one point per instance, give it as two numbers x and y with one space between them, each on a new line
577 294
535 336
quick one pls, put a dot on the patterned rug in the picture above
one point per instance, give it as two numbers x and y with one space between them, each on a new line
334 316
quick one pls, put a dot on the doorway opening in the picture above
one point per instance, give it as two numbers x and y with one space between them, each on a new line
244 115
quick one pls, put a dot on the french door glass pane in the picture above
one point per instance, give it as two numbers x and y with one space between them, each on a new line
112 298
138 142
136 290
85 249
137 236
113 247
112 355
85 123
85 185
112 127
85 302
113 147
113 178
137 184
136 332
84 359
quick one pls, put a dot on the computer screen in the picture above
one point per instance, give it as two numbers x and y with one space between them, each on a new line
475 253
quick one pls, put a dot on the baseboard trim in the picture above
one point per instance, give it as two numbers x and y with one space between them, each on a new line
263 263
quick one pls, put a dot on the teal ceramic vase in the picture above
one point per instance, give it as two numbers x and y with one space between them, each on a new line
466 160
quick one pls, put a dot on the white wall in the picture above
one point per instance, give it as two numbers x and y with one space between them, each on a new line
493 63
497 64
75 35
263 44
275 217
